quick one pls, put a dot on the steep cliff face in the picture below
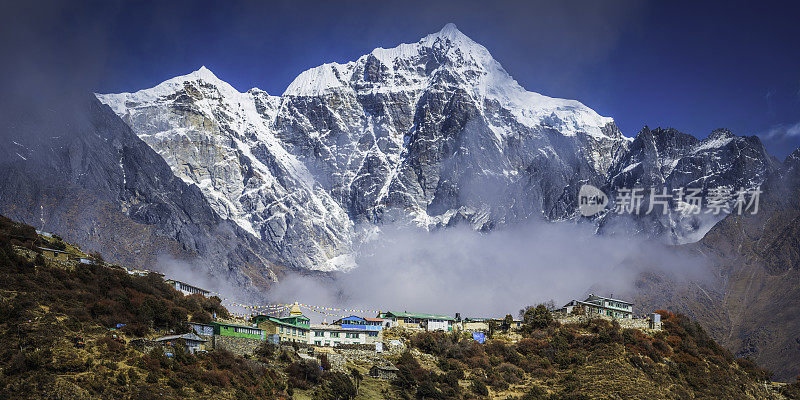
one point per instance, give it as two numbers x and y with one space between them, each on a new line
667 158
218 139
80 171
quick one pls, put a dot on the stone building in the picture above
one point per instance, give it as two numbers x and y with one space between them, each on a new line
59 255
191 342
387 372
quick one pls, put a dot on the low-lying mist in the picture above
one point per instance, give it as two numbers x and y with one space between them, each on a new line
487 274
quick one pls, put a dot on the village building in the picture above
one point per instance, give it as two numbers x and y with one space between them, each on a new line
475 324
202 329
186 288
191 342
59 255
599 306
387 372
515 323
412 321
45 234
145 272
237 329
294 328
336 335
373 325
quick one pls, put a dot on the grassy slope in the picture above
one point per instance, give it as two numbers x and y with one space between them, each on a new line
45 304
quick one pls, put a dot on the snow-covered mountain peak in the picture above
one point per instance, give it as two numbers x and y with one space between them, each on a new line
450 38
721 133
320 80
203 82
450 58
450 31
202 73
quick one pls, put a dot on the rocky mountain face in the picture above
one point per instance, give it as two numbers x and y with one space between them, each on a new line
78 170
668 159
433 133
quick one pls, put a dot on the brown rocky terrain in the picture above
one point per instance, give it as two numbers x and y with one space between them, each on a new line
751 304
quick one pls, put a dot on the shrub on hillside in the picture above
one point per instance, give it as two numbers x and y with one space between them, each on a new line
479 388
304 373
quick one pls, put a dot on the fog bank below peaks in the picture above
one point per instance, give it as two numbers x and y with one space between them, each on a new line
486 274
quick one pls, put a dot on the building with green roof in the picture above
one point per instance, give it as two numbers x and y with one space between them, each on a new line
294 328
235 329
418 321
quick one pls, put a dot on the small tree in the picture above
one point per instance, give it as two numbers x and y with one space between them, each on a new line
492 328
324 362
356 374
507 321
538 317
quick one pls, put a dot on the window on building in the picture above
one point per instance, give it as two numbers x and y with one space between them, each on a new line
319 333
352 335
372 334
335 334
248 331
318 342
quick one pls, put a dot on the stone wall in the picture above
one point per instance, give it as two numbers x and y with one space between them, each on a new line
635 323
144 345
236 345
360 355
338 362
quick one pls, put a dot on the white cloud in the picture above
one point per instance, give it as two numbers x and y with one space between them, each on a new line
486 274
783 131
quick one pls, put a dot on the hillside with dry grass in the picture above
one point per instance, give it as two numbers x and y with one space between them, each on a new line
61 337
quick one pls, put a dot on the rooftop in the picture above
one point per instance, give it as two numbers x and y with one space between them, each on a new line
229 322
53 250
420 316
331 327
282 321
592 295
185 336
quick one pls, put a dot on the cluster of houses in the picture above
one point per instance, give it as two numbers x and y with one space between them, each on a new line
357 330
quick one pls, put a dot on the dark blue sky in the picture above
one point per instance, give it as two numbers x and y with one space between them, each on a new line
695 66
